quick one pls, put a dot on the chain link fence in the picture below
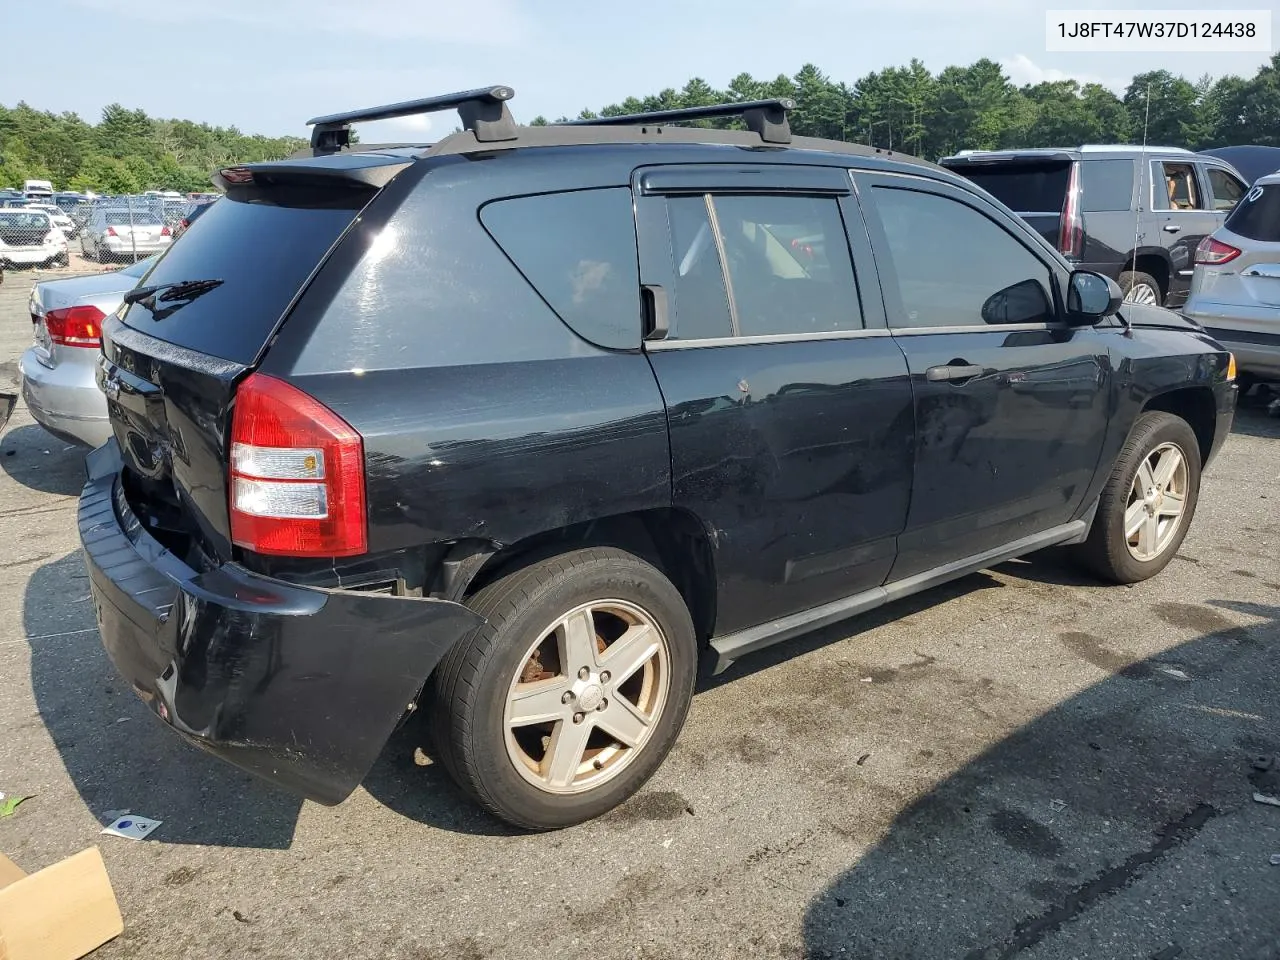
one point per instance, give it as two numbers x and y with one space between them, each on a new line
44 232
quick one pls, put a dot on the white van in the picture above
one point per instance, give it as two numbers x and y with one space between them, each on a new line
37 188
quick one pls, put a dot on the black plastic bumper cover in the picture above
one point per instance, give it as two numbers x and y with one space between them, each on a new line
296 685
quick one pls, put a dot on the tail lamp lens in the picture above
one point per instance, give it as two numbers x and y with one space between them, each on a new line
297 474
1212 252
75 326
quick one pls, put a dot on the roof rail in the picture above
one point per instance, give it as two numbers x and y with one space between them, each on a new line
483 111
1116 147
766 118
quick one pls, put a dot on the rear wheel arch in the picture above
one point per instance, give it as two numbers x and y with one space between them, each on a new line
674 541
1155 265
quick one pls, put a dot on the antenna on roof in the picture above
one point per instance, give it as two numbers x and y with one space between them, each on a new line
483 111
765 118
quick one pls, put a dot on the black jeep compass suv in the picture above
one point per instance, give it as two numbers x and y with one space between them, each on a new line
521 425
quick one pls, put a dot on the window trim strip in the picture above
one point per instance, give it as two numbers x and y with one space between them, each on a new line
769 338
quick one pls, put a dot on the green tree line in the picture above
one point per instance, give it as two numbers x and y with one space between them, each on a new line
127 151
978 107
906 108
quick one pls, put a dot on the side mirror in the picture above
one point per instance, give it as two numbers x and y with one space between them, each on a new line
1091 297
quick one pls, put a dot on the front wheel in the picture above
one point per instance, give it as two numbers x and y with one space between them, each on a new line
1148 503
572 693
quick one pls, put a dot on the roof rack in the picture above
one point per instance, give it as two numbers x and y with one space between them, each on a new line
483 111
766 118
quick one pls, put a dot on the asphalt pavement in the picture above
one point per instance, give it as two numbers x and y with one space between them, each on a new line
1023 764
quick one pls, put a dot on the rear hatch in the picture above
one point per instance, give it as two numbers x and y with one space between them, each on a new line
1034 186
172 359
144 227
19 229
1254 228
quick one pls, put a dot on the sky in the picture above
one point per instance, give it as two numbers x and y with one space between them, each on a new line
266 66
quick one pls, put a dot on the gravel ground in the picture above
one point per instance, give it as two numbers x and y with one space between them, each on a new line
1022 763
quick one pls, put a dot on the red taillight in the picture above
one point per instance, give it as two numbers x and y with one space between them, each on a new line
1071 229
1212 252
164 231
297 474
236 174
111 232
75 326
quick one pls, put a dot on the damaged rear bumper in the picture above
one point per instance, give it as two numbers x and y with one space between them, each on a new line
297 685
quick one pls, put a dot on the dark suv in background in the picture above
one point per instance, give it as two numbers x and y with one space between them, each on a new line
1135 214
521 425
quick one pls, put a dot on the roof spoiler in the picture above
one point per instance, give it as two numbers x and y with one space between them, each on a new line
766 118
483 111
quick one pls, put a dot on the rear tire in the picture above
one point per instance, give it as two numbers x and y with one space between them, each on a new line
1134 533
1139 287
555 634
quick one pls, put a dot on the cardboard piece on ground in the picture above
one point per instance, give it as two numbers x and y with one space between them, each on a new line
59 913
10 872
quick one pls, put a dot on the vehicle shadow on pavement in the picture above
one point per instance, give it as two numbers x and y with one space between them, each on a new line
409 779
39 460
1121 823
1252 419
120 756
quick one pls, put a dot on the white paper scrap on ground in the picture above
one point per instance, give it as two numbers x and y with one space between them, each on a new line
131 828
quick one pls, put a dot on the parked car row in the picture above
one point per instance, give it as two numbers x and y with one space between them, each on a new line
73 212
1136 214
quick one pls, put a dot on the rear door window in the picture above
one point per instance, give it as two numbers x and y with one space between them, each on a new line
1227 190
1257 215
1106 185
263 250
760 265
578 250
788 264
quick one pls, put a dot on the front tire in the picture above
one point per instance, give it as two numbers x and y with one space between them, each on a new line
1148 503
572 693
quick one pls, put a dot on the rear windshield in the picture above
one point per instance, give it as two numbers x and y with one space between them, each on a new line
124 218
1023 188
262 250
14 220
1257 216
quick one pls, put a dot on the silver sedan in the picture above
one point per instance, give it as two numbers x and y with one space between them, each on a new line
59 371
118 233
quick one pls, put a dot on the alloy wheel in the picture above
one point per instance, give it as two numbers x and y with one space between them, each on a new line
1157 502
1142 293
587 697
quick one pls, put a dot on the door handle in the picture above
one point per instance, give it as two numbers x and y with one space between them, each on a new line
657 310
1171 228
953 372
